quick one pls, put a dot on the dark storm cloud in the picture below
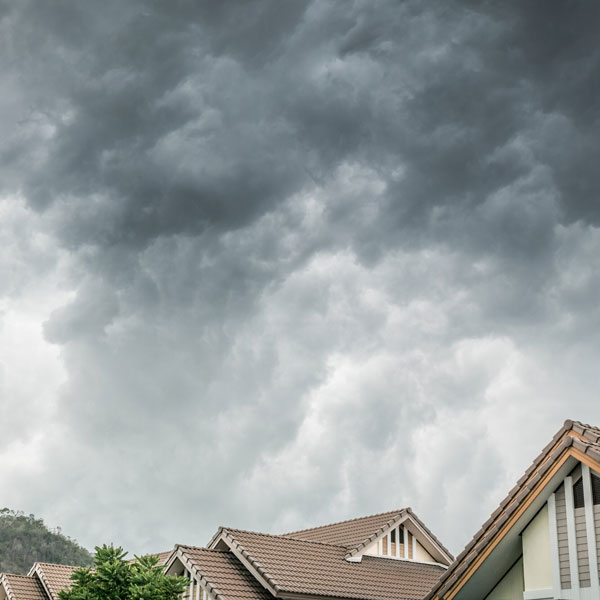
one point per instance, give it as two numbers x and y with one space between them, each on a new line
295 229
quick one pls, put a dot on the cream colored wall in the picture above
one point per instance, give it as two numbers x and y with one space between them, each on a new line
537 561
510 586
422 554
371 550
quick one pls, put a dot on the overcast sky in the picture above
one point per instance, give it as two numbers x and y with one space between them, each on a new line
271 264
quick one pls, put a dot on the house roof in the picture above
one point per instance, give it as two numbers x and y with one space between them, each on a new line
53 577
297 566
222 574
22 587
573 434
348 533
357 534
163 557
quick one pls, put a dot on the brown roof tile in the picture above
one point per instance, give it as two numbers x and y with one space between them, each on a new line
590 445
54 577
348 533
163 556
23 587
356 534
224 574
301 566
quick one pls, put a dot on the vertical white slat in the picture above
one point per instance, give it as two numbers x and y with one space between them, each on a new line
405 542
397 541
573 562
380 547
414 547
554 546
590 530
198 590
191 596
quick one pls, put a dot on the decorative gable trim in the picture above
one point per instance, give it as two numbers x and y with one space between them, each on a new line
36 571
444 558
179 554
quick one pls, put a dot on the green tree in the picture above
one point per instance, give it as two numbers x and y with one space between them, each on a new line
113 577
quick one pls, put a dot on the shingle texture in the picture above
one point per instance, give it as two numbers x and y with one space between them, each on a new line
356 534
54 577
226 575
306 567
348 533
163 557
23 587
585 438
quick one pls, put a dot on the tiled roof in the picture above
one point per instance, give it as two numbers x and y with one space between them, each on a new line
23 587
356 534
585 438
348 533
163 556
223 574
54 577
293 565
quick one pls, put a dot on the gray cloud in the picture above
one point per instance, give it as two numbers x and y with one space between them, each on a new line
301 261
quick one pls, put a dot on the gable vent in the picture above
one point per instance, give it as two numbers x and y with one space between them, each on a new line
578 500
595 489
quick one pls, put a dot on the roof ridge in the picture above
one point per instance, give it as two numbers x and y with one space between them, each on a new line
387 512
586 425
41 562
18 575
201 548
284 537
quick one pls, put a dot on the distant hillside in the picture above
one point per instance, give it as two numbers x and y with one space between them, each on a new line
25 540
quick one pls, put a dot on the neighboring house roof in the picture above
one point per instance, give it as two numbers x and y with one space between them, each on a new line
53 577
573 439
357 534
22 587
288 565
163 557
221 573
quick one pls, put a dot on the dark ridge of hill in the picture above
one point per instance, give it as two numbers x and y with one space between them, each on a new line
25 540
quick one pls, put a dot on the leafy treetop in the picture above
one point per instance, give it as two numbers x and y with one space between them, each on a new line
115 578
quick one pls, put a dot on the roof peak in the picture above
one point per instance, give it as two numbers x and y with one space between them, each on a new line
41 562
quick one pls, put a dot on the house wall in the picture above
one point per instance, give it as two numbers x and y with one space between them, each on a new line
422 554
510 587
537 560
